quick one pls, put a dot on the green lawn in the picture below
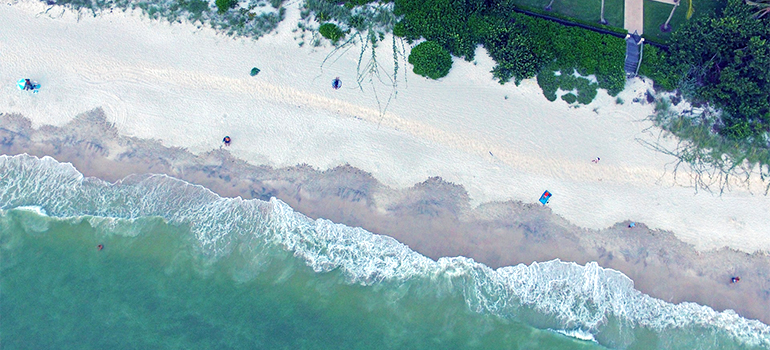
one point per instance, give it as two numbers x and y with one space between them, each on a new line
656 13
584 10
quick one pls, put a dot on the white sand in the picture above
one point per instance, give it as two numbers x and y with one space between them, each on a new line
189 87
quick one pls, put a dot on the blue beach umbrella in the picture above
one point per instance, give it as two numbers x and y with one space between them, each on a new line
23 83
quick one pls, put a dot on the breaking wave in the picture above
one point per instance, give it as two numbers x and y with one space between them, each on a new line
588 301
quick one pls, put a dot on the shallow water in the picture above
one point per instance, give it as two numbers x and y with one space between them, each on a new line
155 290
185 268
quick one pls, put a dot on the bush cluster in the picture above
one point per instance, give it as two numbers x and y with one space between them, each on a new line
331 31
354 15
195 7
430 60
585 51
353 3
522 46
224 5
570 98
550 83
443 21
727 60
240 22
656 66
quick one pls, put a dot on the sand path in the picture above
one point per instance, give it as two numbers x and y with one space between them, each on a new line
189 87
633 16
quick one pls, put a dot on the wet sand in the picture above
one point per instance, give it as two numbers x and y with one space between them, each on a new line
188 86
433 217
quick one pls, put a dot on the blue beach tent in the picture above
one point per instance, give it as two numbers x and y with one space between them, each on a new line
22 83
545 197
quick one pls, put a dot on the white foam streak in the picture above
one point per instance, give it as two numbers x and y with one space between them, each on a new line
577 334
33 208
579 297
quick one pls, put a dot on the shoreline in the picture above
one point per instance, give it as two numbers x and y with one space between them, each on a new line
449 168
501 142
433 218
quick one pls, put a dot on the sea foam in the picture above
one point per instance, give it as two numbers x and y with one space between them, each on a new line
33 208
585 297
577 334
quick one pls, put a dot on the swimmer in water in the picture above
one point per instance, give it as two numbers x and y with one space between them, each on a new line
100 247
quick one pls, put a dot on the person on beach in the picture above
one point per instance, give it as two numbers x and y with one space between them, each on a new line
226 140
596 160
735 279
28 85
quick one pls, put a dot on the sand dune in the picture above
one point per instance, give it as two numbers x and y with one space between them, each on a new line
188 87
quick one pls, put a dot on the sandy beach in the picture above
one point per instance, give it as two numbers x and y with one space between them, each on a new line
432 217
189 87
152 91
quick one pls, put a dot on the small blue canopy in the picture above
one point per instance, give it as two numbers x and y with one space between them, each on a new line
545 197
22 83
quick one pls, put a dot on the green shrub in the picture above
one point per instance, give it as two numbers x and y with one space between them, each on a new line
195 7
399 30
547 81
353 3
586 90
567 82
569 98
726 60
513 52
656 66
430 60
521 45
224 5
738 130
331 31
357 22
444 21
587 93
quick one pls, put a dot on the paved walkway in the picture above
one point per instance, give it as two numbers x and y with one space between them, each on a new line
634 15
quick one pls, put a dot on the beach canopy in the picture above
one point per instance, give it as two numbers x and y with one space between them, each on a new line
545 197
23 83
336 83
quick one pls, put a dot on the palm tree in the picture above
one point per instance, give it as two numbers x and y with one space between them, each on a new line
548 8
762 5
602 20
665 27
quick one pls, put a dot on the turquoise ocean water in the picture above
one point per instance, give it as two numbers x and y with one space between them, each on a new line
183 268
